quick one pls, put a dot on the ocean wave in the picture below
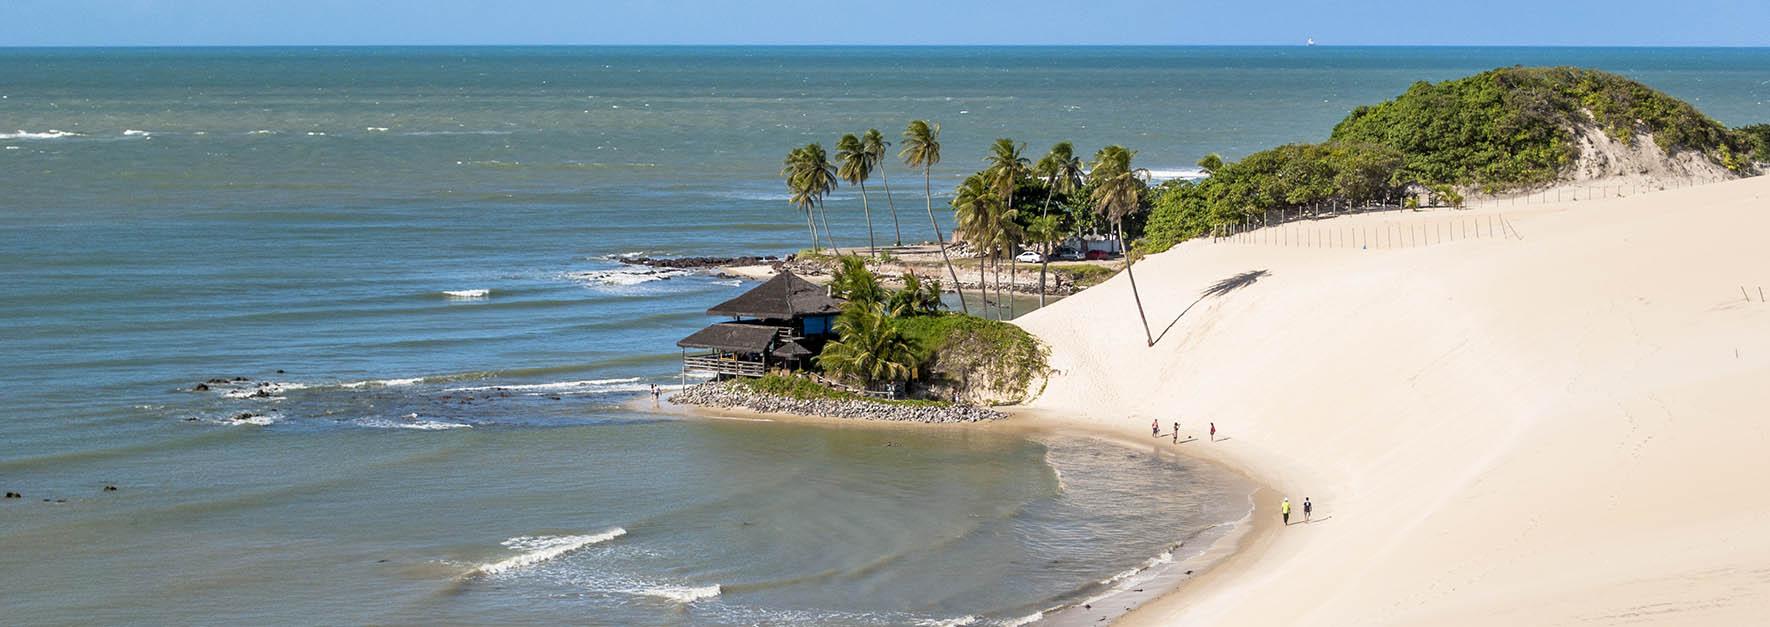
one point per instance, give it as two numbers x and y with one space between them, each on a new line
445 133
263 131
412 422
537 549
683 594
625 277
130 132
949 622
49 134
268 390
1024 620
467 294
1187 174
591 385
375 129
382 383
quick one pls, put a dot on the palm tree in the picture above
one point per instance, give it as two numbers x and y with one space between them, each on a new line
853 282
810 166
801 195
1006 168
856 166
1118 192
921 149
869 348
874 143
915 298
1062 171
1045 231
973 205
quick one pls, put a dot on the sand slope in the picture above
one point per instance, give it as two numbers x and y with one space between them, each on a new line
1572 428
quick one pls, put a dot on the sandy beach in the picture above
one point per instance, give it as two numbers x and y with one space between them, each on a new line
1564 427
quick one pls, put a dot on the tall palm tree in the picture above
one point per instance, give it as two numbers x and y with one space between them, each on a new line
1118 192
1006 167
817 177
801 195
1044 231
874 143
1062 171
921 149
973 207
855 166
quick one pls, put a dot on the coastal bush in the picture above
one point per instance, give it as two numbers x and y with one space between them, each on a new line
988 361
869 348
1759 136
1512 128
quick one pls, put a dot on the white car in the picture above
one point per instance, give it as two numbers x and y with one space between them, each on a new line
1030 256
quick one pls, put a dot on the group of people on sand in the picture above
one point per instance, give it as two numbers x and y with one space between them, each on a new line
1284 507
1155 430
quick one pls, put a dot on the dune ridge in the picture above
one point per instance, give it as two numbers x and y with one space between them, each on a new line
1568 428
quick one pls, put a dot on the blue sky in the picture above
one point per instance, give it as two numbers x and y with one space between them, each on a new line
895 22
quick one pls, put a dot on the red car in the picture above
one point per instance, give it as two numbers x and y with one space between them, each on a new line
1097 255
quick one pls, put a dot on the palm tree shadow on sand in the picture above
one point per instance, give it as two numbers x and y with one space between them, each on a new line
1219 288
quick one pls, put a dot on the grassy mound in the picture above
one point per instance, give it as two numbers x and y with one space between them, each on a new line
987 361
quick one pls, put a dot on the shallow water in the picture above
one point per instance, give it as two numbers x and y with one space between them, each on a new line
389 226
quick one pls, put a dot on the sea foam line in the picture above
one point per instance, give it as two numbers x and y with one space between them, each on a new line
49 134
543 548
683 594
598 385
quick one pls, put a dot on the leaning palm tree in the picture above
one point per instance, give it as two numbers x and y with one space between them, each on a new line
856 165
869 348
1044 231
1006 167
817 177
1118 192
1062 171
921 149
801 196
874 143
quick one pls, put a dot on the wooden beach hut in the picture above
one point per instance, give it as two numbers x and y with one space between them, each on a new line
782 323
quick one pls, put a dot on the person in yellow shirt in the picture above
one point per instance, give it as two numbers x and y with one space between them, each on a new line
1285 509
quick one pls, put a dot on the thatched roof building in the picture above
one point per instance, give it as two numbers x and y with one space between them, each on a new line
778 324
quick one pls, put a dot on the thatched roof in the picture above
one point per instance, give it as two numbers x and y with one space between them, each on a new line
784 297
732 336
791 350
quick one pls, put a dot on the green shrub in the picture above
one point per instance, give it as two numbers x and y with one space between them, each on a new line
972 351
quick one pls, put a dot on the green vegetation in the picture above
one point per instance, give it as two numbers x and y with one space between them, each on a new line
870 349
1500 130
921 149
1514 127
990 357
809 177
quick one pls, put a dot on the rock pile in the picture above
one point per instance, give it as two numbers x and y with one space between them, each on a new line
721 394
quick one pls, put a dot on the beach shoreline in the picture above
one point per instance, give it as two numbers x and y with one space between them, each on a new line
1192 567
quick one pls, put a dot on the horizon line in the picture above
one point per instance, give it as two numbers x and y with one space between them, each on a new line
865 46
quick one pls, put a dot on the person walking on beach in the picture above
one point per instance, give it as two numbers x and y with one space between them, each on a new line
1308 508
1213 432
656 395
1284 509
1176 432
1155 428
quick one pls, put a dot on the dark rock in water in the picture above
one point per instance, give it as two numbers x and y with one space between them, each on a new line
110 488
201 387
218 381
14 495
241 379
192 419
245 415
554 397
279 371
261 394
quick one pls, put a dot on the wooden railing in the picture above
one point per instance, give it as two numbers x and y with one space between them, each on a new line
723 364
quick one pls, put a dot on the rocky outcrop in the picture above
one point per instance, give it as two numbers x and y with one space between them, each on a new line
724 395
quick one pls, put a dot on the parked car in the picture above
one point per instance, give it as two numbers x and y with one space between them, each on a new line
1069 254
1097 255
1029 256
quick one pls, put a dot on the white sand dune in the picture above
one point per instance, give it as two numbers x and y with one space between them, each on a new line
1571 428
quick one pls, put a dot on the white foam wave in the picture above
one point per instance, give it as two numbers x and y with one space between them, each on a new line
591 385
375 129
49 134
382 383
130 132
537 549
262 131
949 622
1024 620
1189 174
683 594
625 276
467 294
413 423
316 133
266 390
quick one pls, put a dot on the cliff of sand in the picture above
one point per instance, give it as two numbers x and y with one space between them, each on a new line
1564 424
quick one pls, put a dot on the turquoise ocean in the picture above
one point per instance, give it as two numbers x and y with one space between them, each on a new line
385 234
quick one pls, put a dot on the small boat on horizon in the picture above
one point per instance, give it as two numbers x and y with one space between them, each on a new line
1310 42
